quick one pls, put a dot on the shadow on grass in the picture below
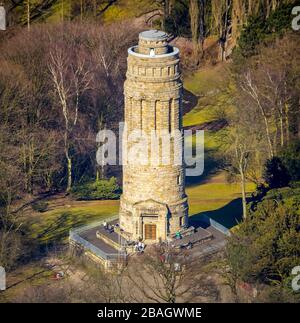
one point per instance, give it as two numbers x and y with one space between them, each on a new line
58 228
49 235
229 215
211 167
190 101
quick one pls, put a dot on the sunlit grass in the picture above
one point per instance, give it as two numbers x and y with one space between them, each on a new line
197 116
28 276
212 196
205 81
54 226
125 9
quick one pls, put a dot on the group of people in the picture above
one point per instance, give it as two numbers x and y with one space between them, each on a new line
108 227
139 247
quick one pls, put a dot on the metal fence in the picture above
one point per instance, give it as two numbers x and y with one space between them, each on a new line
94 224
74 235
206 219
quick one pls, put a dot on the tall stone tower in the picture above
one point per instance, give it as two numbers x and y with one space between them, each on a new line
154 203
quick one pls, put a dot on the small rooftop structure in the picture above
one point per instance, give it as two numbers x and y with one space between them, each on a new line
153 42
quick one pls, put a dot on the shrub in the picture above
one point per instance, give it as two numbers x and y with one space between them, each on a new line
41 206
259 28
291 160
275 173
98 190
266 246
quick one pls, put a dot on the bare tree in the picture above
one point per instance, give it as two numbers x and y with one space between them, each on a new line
194 10
71 79
239 151
269 80
220 23
10 185
252 90
164 275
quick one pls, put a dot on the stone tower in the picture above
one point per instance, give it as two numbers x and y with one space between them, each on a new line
154 204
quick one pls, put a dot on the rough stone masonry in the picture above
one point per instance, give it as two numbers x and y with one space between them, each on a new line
154 204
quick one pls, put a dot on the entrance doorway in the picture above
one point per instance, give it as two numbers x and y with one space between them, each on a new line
150 231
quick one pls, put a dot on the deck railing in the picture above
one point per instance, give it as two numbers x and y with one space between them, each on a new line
206 219
94 224
74 236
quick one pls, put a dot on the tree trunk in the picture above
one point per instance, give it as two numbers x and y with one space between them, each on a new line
69 169
287 122
244 198
194 12
69 161
271 152
281 131
95 8
62 11
28 15
238 18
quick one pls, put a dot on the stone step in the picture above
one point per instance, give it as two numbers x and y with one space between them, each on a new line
108 240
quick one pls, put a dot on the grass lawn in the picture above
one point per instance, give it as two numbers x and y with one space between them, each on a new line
217 199
125 9
205 81
29 275
53 226
209 85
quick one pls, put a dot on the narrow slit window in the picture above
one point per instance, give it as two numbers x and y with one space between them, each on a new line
170 116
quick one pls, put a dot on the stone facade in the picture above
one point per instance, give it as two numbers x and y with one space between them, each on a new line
154 204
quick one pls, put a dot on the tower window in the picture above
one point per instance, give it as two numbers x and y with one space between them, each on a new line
181 221
178 180
169 116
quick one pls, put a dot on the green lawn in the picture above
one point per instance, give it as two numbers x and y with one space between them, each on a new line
126 9
210 86
206 80
219 200
53 226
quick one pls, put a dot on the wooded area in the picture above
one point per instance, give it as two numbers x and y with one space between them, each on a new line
62 69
